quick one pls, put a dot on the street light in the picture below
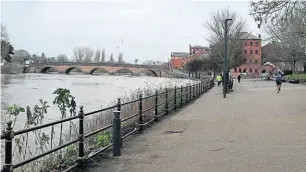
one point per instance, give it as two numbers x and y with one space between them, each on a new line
225 69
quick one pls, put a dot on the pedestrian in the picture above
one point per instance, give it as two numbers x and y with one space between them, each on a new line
278 80
219 79
239 77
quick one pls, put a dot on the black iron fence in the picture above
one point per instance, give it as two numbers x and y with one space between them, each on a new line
149 109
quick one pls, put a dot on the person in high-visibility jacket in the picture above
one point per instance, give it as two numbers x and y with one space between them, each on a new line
219 79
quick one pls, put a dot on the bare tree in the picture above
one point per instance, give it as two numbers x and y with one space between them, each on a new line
20 56
7 50
62 58
97 56
136 61
269 10
111 58
43 58
83 54
4 33
79 54
237 32
288 35
286 22
120 58
103 56
88 55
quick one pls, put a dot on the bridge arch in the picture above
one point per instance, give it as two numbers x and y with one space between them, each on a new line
98 68
155 73
47 68
67 71
123 70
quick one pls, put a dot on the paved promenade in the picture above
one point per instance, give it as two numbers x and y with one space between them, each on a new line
253 130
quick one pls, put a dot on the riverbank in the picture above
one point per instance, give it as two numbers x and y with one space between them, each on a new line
11 68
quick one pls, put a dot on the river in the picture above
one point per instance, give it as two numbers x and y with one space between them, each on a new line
91 91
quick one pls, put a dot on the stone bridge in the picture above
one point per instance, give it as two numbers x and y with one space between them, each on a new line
90 68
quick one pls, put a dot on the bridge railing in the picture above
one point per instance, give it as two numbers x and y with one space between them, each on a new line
147 110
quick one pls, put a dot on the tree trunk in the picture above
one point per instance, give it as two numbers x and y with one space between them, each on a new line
293 67
304 67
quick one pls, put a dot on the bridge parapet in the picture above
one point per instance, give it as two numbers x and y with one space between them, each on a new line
98 64
90 68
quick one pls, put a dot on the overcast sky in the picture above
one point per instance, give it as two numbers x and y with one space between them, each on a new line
143 29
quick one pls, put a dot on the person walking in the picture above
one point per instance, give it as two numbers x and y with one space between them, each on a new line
239 77
219 79
278 80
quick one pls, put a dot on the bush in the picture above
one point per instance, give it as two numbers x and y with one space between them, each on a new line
287 72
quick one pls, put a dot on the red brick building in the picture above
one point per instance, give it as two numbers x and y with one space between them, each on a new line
178 59
196 48
252 49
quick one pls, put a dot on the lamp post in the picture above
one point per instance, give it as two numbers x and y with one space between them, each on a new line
225 67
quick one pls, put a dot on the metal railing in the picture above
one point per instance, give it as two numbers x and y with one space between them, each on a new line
174 98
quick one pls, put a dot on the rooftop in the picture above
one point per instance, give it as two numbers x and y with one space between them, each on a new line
179 54
250 36
197 46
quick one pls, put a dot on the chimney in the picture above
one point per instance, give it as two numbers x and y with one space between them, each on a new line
259 36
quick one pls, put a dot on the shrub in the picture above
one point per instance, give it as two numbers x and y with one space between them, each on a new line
287 72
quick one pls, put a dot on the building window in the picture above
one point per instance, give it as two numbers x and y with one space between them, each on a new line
235 69
245 51
255 70
256 44
250 70
251 51
244 70
245 43
256 61
239 70
251 43
256 51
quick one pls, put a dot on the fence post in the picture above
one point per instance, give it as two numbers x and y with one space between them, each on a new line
167 101
181 96
198 90
190 92
117 134
81 138
119 109
156 106
186 100
119 104
202 87
193 91
9 135
175 97
140 114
